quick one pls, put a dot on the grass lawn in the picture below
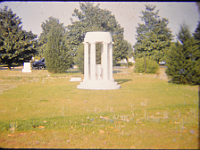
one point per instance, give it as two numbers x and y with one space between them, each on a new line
43 110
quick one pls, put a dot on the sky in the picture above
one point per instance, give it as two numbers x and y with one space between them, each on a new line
127 14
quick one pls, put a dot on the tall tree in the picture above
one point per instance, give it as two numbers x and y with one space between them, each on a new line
16 45
46 27
153 37
57 55
92 18
183 59
196 59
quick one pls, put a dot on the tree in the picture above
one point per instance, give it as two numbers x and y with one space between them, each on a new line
183 59
153 37
57 55
16 45
198 4
196 59
46 27
130 50
92 18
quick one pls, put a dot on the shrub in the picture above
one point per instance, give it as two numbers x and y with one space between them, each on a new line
130 64
80 58
151 66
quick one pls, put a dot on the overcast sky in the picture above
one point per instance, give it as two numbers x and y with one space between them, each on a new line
126 13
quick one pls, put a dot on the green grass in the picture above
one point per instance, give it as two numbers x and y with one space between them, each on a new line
43 110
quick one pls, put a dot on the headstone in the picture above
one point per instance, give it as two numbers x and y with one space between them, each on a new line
27 67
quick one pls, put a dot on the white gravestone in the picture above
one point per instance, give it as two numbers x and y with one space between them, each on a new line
27 67
98 77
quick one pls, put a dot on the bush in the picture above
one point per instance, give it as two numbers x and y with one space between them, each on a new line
151 66
80 58
130 64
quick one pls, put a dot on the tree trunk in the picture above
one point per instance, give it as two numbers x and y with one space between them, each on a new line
9 66
199 95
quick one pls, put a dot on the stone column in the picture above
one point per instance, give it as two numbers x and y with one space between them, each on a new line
93 61
86 63
111 60
105 67
102 60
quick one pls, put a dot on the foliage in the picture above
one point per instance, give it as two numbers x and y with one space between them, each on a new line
183 59
130 50
196 57
80 58
151 66
130 64
46 27
16 45
57 56
153 37
92 18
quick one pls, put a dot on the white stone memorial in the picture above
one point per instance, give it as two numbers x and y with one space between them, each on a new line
27 67
98 76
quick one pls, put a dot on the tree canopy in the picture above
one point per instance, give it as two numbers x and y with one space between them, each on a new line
57 55
153 37
46 27
16 45
92 18
183 59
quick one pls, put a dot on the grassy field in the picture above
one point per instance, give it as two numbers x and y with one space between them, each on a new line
43 110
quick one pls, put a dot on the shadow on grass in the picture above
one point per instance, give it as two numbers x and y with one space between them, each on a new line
73 71
116 71
121 81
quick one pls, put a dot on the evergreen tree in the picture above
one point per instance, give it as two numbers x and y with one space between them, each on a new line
46 27
16 45
92 18
57 56
196 59
153 37
183 59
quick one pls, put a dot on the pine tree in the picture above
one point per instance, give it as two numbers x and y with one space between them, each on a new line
92 18
182 60
57 55
153 37
46 27
196 59
16 45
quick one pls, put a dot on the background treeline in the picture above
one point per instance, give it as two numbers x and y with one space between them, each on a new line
62 46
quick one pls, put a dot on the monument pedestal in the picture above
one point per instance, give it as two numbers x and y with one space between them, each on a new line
98 85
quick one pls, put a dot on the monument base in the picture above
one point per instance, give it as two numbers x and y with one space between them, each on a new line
25 70
98 85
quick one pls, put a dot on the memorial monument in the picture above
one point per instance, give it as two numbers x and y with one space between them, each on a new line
98 76
27 67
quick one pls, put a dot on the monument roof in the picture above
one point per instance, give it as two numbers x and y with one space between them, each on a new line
98 36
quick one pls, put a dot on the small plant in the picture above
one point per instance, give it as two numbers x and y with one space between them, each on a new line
151 66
